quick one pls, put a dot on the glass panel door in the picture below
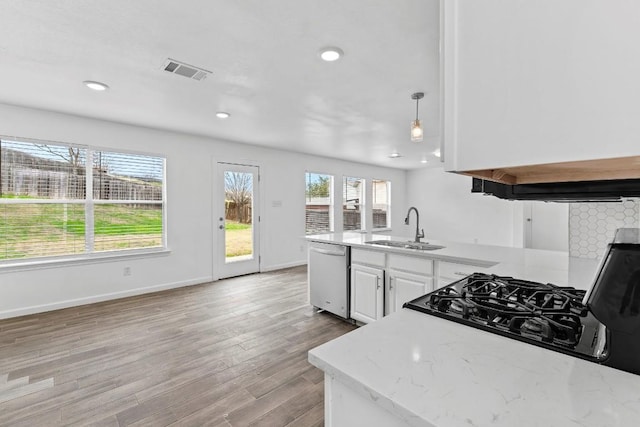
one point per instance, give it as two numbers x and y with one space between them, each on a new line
237 220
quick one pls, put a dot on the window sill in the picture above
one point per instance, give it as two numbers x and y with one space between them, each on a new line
374 231
55 262
381 230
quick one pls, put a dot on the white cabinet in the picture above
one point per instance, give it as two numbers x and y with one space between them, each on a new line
381 282
539 81
367 293
367 285
408 277
403 287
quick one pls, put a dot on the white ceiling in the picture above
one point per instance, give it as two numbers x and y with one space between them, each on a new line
265 64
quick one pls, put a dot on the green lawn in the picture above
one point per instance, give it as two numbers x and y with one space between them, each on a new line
56 229
232 225
238 239
32 230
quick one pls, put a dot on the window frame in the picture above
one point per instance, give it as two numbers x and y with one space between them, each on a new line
89 202
331 205
387 226
362 203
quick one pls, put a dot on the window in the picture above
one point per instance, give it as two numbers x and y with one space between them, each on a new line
353 203
381 203
59 200
319 203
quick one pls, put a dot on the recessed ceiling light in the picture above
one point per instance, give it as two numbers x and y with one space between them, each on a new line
437 153
395 155
95 85
331 54
222 115
424 161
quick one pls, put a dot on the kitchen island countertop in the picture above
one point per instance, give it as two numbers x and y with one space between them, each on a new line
530 264
428 371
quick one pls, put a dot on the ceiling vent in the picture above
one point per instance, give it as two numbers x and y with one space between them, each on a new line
186 70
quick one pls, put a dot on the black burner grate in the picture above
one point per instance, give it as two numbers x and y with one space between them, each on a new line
535 311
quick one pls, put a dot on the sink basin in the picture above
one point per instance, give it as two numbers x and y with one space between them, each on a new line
421 246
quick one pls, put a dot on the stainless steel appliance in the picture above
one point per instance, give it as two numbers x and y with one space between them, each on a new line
601 325
328 274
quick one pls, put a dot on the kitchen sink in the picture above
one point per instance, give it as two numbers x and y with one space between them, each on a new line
421 246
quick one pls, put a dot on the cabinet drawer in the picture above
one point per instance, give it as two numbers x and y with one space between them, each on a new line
361 256
457 271
413 264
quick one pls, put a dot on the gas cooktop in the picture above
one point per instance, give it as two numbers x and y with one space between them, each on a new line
538 313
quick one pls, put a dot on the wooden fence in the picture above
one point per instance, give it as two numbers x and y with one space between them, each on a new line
25 175
240 214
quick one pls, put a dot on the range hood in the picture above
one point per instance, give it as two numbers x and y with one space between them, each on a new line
600 180
579 191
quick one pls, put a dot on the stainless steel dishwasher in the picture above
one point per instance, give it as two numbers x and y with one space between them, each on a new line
328 273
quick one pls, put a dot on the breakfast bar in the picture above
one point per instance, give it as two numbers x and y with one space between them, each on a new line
412 369
420 368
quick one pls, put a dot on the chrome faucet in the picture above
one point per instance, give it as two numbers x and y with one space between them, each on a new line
419 234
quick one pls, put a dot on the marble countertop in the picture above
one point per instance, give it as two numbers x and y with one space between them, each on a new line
433 372
530 264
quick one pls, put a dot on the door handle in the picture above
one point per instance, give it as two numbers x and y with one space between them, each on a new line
377 282
390 282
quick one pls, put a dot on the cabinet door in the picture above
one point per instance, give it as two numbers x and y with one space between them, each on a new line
404 287
539 81
367 291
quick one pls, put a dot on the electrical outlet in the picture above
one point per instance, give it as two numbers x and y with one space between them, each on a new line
127 271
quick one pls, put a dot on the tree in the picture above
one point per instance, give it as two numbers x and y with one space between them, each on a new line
72 156
238 188
319 188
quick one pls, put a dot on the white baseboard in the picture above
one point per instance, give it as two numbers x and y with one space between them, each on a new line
99 298
281 266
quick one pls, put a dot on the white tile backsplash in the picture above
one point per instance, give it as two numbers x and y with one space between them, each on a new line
593 225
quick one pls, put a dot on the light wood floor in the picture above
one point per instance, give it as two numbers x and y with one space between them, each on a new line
229 353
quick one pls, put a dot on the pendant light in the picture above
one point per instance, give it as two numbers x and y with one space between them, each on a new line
416 126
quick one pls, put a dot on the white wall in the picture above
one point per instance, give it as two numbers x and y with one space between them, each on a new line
189 210
449 211
546 225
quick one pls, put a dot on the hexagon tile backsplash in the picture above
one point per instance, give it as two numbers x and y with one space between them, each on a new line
593 225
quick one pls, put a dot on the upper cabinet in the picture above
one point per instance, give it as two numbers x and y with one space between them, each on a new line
541 82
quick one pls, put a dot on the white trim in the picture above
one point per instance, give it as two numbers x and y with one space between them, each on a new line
165 208
331 205
265 269
89 203
449 84
14 138
224 269
381 230
89 224
93 258
99 298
